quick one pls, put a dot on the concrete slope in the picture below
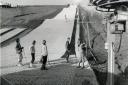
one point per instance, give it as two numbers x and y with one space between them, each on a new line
61 74
54 31
10 34
4 31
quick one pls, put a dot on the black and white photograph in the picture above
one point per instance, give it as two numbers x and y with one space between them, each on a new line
63 42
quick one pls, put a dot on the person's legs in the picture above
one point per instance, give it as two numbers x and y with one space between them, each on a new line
33 58
44 63
67 57
83 61
79 62
20 59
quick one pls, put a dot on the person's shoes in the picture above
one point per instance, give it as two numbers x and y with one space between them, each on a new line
19 65
78 66
41 68
67 61
45 69
30 65
83 67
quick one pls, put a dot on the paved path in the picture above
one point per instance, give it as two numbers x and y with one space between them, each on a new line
59 74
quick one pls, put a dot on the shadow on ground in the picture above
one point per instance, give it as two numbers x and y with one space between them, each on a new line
62 74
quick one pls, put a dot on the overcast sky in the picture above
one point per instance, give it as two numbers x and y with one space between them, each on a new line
40 2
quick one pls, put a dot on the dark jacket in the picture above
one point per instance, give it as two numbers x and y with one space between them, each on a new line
18 48
67 45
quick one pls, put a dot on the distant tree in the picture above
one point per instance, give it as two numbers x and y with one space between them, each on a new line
6 5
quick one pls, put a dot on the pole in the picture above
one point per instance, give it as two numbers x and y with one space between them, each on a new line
88 36
111 58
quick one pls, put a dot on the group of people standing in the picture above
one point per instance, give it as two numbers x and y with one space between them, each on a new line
44 52
81 51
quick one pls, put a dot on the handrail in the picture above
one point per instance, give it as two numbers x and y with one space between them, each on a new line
108 10
112 3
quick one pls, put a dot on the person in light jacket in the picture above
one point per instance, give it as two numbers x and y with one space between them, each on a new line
82 59
32 49
44 54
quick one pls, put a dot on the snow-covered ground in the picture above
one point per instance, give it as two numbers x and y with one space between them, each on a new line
55 31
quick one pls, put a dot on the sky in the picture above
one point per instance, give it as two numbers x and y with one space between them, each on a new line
40 2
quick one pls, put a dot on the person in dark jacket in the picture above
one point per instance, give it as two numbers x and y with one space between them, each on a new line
67 46
19 50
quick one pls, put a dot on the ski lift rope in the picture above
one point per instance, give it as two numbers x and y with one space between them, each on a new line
89 40
87 30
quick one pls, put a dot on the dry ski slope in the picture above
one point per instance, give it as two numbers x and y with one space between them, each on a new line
54 31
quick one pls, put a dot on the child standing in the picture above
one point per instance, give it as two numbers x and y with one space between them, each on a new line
32 49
